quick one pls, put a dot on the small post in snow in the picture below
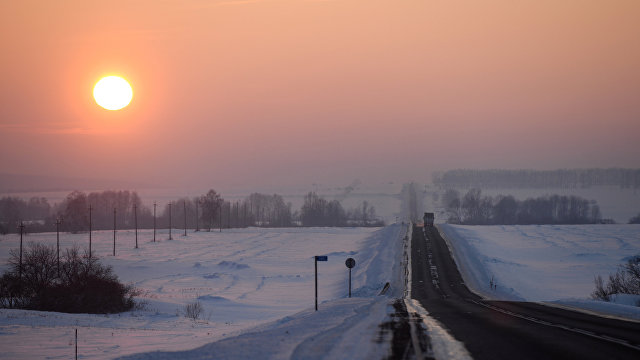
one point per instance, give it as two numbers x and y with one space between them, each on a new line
350 263
316 259
76 344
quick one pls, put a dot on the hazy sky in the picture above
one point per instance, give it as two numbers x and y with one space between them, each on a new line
272 93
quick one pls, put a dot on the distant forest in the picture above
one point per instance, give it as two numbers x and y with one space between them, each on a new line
475 209
562 179
80 212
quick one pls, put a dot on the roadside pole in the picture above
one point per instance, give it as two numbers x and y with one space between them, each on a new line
316 259
350 263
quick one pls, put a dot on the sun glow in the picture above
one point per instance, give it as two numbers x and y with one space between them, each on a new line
112 92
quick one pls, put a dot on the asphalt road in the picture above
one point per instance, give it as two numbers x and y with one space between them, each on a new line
510 330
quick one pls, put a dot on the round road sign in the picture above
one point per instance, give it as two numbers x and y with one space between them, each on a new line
350 263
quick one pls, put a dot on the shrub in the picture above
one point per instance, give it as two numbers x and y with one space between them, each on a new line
78 285
625 281
193 310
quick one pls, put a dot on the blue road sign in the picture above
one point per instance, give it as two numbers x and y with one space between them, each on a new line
322 258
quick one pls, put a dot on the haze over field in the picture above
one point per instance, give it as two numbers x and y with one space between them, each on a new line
279 93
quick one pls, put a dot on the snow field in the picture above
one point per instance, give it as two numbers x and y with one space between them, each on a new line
552 263
341 328
242 277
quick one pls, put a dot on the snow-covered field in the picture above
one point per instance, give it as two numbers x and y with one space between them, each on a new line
256 287
243 278
552 263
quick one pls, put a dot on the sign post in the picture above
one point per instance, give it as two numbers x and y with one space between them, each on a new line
350 263
316 259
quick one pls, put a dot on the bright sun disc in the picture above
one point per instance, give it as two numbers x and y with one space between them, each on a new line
112 92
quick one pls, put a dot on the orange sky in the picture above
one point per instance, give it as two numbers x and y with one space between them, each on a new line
272 93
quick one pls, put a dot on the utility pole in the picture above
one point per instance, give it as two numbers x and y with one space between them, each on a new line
58 222
213 205
135 220
114 231
220 212
184 203
197 225
90 209
170 222
21 227
154 221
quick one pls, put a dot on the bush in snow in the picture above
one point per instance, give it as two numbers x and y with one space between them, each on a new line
625 281
193 310
78 284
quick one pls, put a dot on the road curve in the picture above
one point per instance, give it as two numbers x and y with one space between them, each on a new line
510 330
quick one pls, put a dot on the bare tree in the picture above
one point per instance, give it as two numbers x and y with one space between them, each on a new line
211 204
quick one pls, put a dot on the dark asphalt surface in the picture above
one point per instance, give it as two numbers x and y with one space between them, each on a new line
491 334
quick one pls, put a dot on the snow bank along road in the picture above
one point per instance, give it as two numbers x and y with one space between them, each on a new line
510 330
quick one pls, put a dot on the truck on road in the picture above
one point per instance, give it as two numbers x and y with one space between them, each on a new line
428 219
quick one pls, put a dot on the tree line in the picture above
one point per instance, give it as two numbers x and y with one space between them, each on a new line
562 178
317 211
124 209
475 209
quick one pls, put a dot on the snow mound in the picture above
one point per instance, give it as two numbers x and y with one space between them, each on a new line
626 299
217 299
232 265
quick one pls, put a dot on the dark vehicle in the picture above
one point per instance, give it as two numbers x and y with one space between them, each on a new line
428 219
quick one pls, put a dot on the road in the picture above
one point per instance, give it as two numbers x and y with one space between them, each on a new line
510 330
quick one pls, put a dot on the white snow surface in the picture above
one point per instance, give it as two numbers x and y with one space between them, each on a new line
256 287
555 264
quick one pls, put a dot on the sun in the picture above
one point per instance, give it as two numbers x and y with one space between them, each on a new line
112 92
